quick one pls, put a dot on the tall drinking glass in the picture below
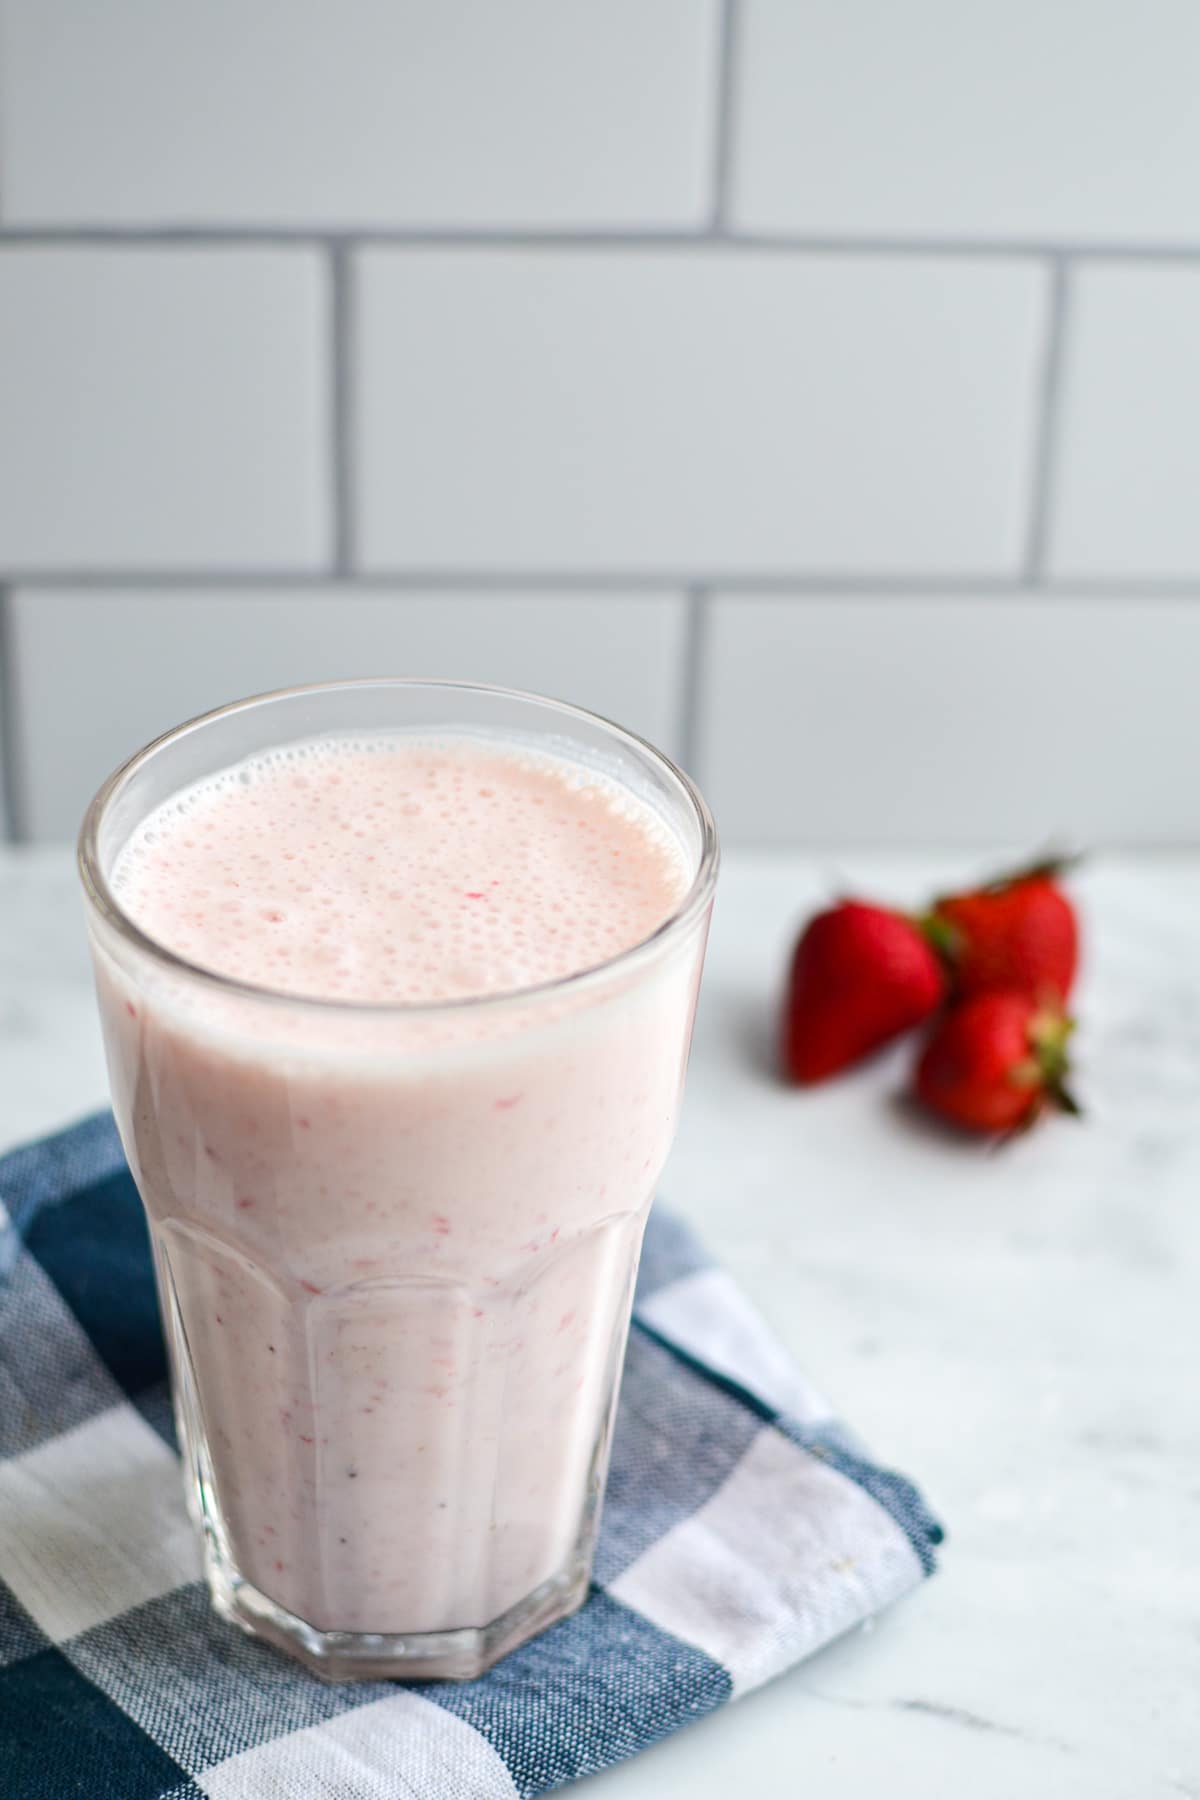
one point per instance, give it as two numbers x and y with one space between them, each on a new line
396 1244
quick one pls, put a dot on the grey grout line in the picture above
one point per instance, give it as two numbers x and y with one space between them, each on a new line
510 580
832 851
319 235
784 584
1048 425
681 238
341 402
693 673
12 812
140 580
172 237
724 112
1105 588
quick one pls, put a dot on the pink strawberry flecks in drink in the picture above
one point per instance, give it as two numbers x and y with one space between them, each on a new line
422 1252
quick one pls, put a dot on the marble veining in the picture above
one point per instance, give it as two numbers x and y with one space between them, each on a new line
956 1715
1019 1329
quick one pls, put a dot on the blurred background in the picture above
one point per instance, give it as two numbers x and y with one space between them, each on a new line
813 385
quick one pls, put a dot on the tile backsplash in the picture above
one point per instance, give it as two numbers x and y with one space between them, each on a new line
166 656
164 408
353 113
588 408
814 387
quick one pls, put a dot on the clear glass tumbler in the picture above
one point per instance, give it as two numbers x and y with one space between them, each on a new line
395 1245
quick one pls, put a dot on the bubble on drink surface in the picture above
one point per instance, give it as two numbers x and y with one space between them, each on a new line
403 870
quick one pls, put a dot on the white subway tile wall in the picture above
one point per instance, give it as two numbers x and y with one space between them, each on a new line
1128 501
163 408
167 656
812 386
855 720
992 120
555 409
359 112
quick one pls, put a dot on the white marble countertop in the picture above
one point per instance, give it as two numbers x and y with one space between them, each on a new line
1019 1330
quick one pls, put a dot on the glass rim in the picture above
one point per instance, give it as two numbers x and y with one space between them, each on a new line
99 893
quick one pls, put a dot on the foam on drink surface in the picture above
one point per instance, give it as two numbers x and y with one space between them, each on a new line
401 871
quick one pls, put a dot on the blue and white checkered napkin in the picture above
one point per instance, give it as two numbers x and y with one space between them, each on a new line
742 1530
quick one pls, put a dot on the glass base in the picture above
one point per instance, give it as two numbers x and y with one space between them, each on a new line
393 1656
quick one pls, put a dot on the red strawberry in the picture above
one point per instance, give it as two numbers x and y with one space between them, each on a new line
860 975
1019 933
995 1062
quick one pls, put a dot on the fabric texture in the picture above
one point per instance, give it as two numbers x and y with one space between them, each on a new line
743 1528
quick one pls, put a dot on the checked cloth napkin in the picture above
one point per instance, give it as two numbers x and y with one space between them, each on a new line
743 1529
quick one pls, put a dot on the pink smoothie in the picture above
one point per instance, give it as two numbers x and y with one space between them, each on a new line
399 1237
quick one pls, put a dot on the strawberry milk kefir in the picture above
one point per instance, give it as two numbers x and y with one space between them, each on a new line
397 1019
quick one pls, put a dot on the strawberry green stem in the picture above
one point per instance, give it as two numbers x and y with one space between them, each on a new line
1047 867
941 936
